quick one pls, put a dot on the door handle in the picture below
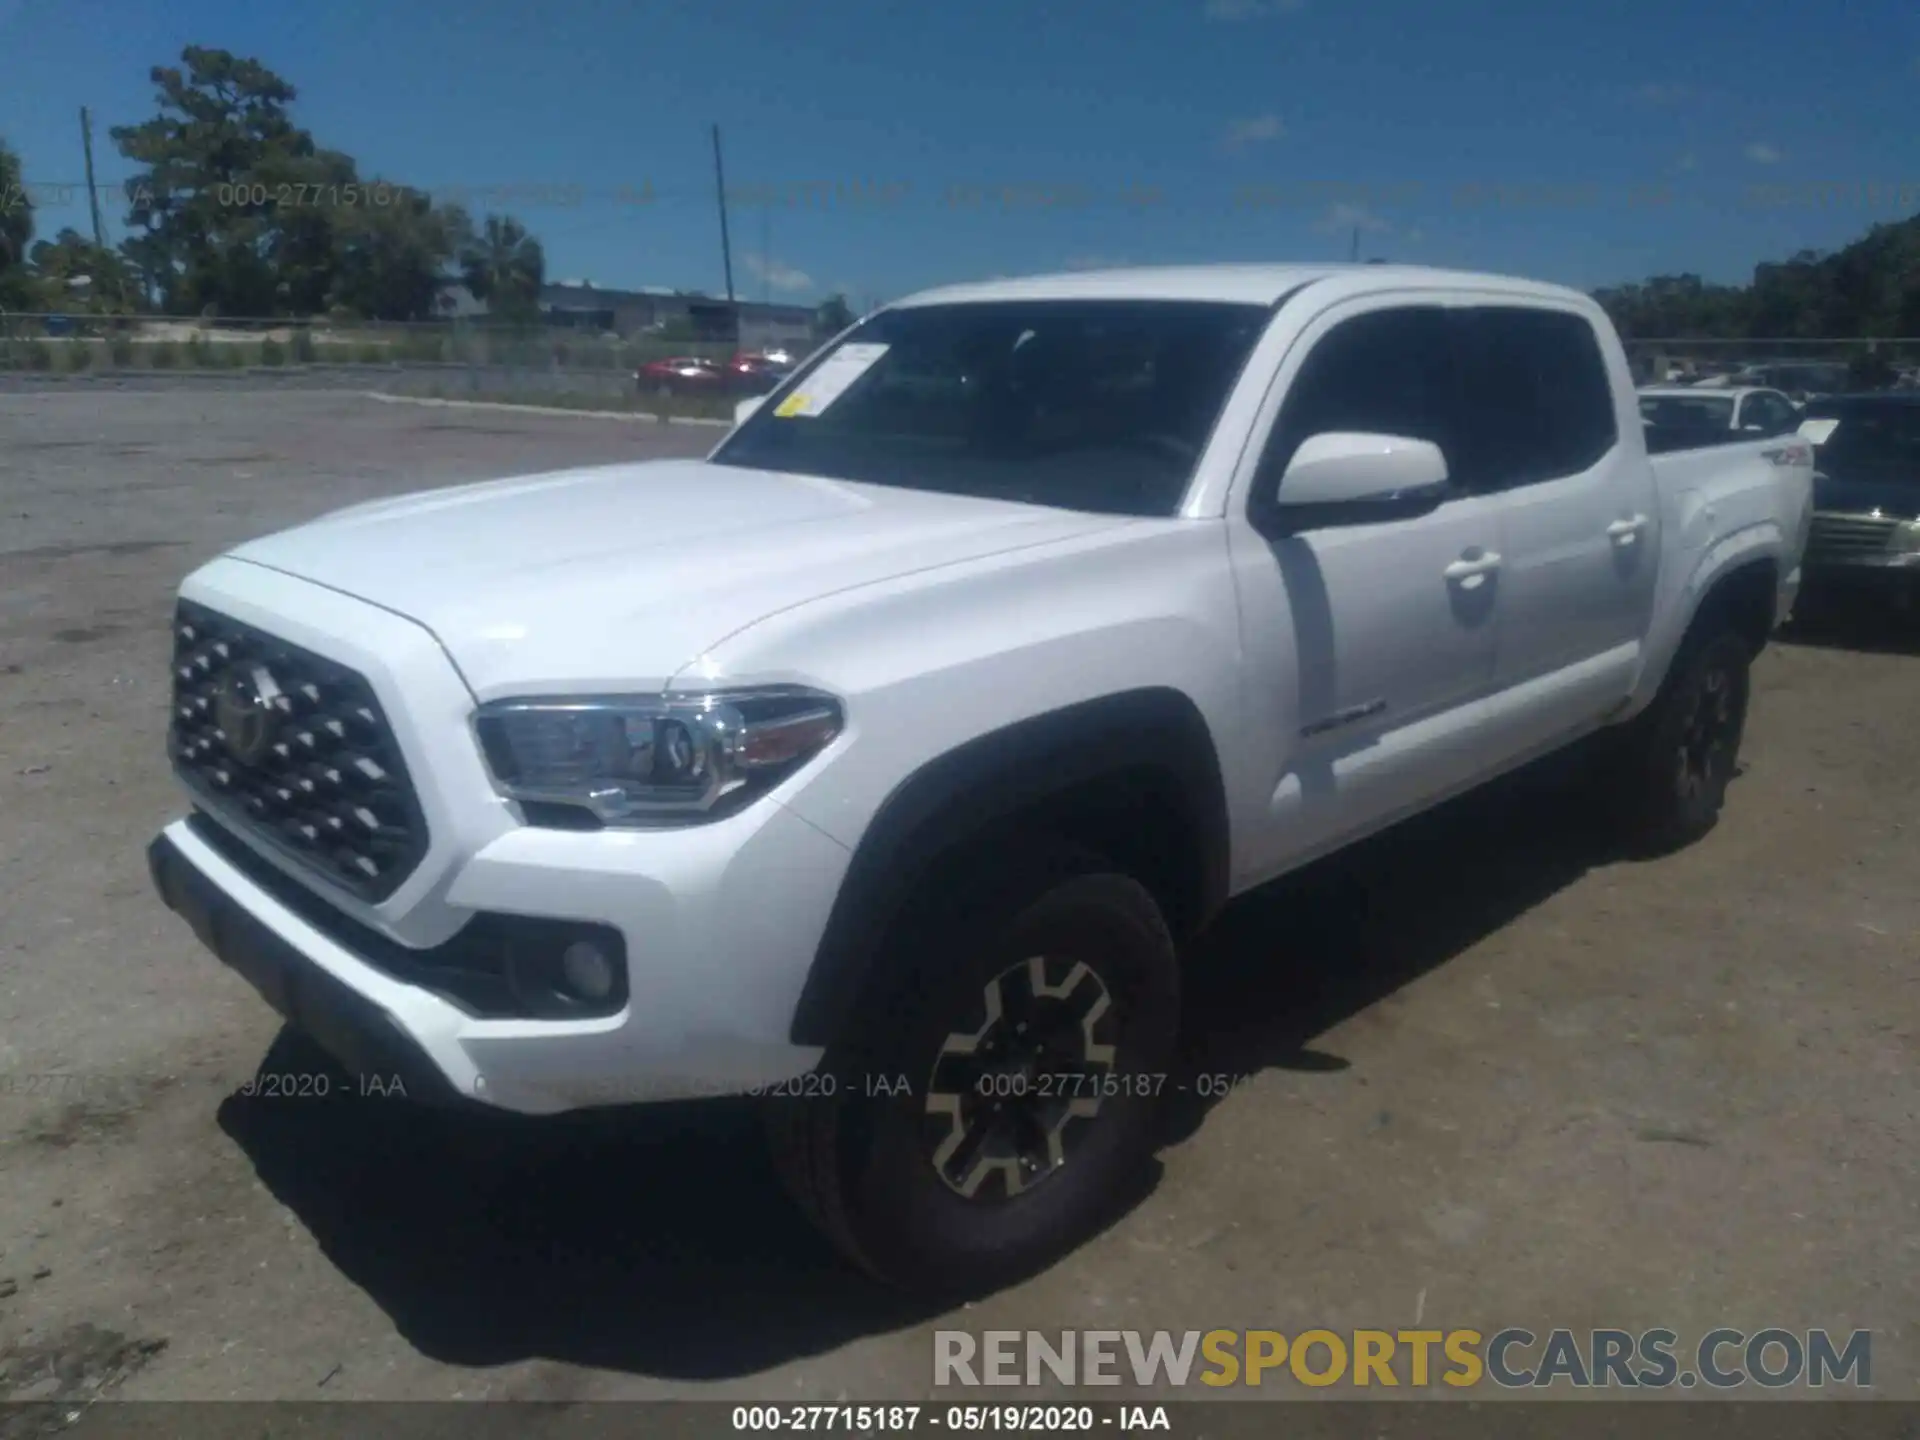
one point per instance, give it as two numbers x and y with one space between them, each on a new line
1468 574
1625 532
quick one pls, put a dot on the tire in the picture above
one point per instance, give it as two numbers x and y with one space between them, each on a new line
1670 776
908 1166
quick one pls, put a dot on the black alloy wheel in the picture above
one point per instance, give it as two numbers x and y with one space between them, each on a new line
1005 1101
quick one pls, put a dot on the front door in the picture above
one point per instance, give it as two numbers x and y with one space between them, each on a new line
1369 645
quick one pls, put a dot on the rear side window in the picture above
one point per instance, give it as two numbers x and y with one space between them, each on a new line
1386 372
1536 403
1687 411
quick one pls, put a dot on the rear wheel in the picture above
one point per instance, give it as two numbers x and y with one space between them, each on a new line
995 1107
1678 757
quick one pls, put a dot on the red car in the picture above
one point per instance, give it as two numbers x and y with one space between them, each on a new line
754 374
682 375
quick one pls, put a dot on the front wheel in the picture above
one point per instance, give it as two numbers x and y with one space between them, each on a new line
1678 757
996 1105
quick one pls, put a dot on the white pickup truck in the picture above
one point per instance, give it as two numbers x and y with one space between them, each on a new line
886 762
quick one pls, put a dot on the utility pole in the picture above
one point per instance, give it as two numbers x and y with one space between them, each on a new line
726 247
93 191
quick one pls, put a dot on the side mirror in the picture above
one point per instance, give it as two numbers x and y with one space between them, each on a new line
1349 478
746 408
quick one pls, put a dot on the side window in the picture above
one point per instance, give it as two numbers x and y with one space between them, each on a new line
1537 403
1384 373
1772 413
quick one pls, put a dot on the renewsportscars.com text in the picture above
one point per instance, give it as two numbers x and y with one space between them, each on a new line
1514 1358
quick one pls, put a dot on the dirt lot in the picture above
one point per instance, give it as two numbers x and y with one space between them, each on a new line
1494 1077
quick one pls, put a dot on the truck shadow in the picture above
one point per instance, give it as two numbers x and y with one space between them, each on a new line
658 1241
1291 961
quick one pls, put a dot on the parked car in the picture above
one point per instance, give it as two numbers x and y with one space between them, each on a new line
887 762
1866 495
756 374
1806 380
1742 411
682 375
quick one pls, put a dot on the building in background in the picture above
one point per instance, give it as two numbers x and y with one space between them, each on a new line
687 315
684 315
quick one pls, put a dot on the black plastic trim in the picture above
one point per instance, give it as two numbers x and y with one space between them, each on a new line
473 970
963 794
364 1038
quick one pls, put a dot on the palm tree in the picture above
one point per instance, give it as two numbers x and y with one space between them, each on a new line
503 265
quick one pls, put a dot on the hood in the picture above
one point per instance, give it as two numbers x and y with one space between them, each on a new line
1853 489
616 577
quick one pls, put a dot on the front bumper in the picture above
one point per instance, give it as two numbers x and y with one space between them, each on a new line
719 922
364 1038
708 1007
1891 574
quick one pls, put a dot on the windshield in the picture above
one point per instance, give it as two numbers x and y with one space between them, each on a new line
1100 405
1686 411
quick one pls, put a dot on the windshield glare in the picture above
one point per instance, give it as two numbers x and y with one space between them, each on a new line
1101 405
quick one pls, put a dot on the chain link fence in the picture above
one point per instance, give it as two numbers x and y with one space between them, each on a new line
447 359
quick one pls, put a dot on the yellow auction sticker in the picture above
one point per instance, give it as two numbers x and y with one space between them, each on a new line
830 379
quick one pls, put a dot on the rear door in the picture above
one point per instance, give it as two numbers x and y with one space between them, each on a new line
1545 429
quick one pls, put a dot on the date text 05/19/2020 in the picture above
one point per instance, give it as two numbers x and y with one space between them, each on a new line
964 1419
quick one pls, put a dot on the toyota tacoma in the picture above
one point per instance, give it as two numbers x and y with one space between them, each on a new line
886 762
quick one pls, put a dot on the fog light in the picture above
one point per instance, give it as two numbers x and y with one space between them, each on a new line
588 970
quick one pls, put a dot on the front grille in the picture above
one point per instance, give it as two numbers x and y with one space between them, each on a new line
295 749
1844 537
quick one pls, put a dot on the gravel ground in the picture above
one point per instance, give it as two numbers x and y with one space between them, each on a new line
1492 1075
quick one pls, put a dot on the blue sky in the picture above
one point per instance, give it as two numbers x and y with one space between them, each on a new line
878 148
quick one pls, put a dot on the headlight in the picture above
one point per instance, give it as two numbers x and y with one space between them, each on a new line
664 760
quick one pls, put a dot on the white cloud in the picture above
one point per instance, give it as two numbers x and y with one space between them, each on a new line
777 273
1762 153
1255 131
1345 217
1234 10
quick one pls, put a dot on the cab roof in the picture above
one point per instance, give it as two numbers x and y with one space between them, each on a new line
1242 284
